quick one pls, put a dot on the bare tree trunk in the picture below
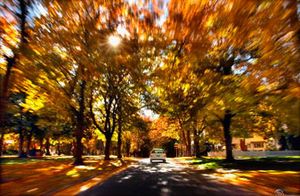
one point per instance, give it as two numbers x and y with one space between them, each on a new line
119 147
189 145
107 147
58 148
47 146
21 142
78 151
196 143
227 135
5 87
41 143
196 134
183 142
29 137
127 148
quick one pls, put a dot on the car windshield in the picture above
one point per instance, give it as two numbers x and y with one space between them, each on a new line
158 151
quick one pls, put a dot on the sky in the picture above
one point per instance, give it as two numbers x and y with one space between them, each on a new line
149 113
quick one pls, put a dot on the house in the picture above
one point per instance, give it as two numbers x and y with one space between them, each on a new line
254 143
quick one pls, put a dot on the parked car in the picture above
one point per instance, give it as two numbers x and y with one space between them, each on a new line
158 154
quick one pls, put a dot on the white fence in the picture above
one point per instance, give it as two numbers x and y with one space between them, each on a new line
256 153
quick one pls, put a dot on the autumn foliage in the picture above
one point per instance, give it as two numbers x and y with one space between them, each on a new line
209 69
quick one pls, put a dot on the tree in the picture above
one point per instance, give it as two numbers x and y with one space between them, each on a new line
108 95
23 121
63 62
76 54
18 99
14 41
227 42
124 72
212 65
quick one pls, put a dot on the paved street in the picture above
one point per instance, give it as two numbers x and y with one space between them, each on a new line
168 178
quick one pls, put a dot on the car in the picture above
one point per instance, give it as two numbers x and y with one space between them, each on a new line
158 154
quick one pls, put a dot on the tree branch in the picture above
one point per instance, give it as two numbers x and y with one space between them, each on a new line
93 115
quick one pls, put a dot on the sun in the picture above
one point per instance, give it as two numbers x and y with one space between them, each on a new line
114 40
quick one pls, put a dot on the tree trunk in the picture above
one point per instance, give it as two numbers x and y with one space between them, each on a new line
181 151
21 141
4 93
189 145
119 148
196 134
78 151
196 143
1 143
29 137
47 145
41 143
227 135
107 146
127 148
183 142
58 149
78 147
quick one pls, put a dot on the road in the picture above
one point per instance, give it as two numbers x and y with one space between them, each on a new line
163 179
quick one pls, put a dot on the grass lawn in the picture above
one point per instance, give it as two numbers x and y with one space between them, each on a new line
262 175
51 175
12 160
